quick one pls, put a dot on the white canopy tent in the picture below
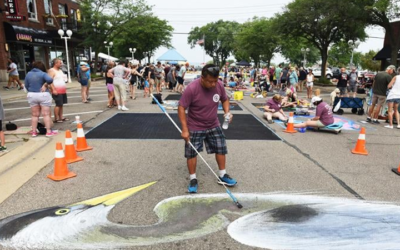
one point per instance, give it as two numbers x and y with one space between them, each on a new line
105 56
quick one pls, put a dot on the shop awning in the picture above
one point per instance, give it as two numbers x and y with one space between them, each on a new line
385 54
107 57
27 35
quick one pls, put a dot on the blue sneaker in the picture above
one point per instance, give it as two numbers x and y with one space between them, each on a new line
192 188
227 180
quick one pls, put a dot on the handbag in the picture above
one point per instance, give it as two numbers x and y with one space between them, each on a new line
11 126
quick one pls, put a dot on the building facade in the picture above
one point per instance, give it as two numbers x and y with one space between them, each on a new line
29 32
384 55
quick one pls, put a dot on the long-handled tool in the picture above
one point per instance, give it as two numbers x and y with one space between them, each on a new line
173 122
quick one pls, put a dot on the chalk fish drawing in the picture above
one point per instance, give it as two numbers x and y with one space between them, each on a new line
273 221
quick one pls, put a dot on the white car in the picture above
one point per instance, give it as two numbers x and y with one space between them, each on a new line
328 73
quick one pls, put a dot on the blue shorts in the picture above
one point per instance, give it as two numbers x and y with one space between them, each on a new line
213 138
396 100
84 82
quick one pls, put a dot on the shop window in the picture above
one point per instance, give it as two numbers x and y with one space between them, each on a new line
74 20
48 9
32 11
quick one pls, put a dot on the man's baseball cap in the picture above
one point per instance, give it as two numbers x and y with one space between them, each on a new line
391 67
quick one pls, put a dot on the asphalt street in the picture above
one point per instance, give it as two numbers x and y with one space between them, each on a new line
316 163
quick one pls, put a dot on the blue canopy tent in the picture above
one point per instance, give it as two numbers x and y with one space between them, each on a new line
171 55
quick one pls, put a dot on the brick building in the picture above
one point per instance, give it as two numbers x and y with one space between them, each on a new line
28 32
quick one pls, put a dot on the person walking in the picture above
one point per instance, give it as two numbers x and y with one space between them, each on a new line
181 77
119 74
151 76
379 88
110 85
393 100
83 79
135 78
58 90
37 83
171 78
13 75
309 83
159 76
201 124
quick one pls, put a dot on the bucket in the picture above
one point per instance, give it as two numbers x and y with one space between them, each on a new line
302 130
238 95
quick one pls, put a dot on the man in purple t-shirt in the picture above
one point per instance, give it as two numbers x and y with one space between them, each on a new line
201 124
323 115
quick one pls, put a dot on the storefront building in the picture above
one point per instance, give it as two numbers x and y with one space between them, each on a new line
28 33
384 55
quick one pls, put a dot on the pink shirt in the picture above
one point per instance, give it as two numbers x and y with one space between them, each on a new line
324 111
202 105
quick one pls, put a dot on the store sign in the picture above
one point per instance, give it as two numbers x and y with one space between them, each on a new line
23 37
13 11
41 40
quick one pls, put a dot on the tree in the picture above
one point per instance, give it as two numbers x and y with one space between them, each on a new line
258 40
291 49
145 33
104 19
219 39
340 55
323 23
381 13
367 63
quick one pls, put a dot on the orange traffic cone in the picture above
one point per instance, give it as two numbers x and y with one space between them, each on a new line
360 146
61 171
396 170
81 144
70 151
290 125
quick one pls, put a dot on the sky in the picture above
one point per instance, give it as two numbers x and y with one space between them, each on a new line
185 15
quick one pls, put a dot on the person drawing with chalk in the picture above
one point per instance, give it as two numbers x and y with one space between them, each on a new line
201 124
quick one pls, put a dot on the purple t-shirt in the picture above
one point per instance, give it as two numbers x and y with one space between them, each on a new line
273 105
324 111
202 105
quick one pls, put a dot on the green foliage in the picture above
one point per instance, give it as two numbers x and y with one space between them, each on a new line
323 23
145 33
340 55
381 13
368 63
257 40
290 48
324 81
219 39
104 19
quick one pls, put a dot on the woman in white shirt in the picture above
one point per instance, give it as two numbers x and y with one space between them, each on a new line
310 83
393 100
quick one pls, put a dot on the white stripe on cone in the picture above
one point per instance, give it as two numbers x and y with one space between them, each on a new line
80 133
361 137
291 119
59 154
69 141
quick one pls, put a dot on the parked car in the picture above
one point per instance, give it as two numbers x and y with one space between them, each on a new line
328 73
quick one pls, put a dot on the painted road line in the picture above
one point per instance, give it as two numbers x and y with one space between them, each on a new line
76 96
69 104
71 114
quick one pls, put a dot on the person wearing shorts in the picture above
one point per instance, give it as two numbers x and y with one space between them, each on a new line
352 86
110 85
379 89
37 83
309 83
135 78
201 124
341 82
59 90
159 76
323 115
393 100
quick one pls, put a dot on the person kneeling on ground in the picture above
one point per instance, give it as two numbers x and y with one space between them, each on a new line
323 115
273 108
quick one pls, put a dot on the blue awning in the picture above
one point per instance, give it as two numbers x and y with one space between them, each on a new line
171 55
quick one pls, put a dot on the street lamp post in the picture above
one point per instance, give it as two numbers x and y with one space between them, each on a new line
69 34
110 44
353 45
133 52
305 51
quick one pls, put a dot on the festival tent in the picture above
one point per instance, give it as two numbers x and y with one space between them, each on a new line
243 63
171 55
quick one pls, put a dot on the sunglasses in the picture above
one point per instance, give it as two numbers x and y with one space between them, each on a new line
214 70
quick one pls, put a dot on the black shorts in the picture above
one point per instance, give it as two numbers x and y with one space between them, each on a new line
60 99
1 125
180 80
